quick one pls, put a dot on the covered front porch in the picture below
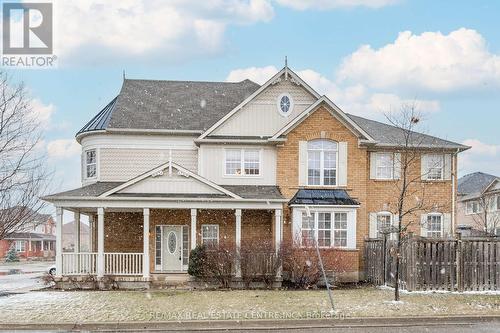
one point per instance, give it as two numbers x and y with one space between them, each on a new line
153 244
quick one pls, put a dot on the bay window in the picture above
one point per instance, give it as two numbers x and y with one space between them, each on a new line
328 228
242 162
322 158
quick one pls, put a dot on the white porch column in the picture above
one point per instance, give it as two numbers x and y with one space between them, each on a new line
277 229
193 228
77 232
145 254
237 213
59 222
278 235
100 242
91 233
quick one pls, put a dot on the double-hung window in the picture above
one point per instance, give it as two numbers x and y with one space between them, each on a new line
473 207
242 162
384 165
20 246
322 158
435 167
90 159
434 225
497 202
384 223
328 228
210 234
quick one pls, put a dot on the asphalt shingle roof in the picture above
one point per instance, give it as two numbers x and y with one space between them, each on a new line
171 105
244 191
387 134
196 106
474 183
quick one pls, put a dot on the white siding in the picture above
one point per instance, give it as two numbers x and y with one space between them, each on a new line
212 164
121 157
170 184
124 164
261 117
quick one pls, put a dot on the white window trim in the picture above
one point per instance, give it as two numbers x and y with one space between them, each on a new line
427 169
385 213
209 225
315 214
278 104
471 212
322 167
242 163
377 154
85 164
20 246
428 224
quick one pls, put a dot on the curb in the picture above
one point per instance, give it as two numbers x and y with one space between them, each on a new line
230 325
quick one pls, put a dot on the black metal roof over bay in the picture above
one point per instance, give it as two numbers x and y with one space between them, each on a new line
332 197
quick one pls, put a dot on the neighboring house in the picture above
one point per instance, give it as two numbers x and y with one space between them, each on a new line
167 165
68 239
36 239
478 204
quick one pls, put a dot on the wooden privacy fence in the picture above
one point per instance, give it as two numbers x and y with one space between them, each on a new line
435 264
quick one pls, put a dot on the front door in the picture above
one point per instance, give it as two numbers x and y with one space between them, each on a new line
172 248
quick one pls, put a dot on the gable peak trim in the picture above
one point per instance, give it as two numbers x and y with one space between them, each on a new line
160 170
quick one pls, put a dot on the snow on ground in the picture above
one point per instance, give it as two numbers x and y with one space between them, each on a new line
22 276
98 306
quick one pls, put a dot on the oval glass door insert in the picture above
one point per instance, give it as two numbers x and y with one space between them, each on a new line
172 242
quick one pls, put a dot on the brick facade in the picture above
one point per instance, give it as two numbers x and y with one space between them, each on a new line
373 195
123 231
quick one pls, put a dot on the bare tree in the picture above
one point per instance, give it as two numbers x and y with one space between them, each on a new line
410 196
23 175
486 219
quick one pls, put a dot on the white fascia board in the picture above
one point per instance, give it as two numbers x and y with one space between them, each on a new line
238 141
162 167
311 109
256 93
171 203
239 106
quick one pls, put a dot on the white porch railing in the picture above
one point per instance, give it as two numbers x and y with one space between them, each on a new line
123 263
79 263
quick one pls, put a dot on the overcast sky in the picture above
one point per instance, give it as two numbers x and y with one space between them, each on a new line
368 56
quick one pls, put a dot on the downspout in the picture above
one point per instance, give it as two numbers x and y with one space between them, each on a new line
453 177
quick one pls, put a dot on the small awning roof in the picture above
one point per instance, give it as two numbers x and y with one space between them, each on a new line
333 197
30 235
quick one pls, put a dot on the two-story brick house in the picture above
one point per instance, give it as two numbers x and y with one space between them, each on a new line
167 165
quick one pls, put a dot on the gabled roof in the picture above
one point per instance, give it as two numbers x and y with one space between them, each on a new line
283 72
170 105
475 183
332 107
169 165
198 108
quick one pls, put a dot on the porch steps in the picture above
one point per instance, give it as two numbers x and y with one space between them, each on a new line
171 281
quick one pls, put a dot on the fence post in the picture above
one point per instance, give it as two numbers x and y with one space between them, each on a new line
459 263
410 262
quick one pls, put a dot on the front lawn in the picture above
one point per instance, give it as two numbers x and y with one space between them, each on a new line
99 306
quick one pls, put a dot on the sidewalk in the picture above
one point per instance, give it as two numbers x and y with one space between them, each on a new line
263 325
